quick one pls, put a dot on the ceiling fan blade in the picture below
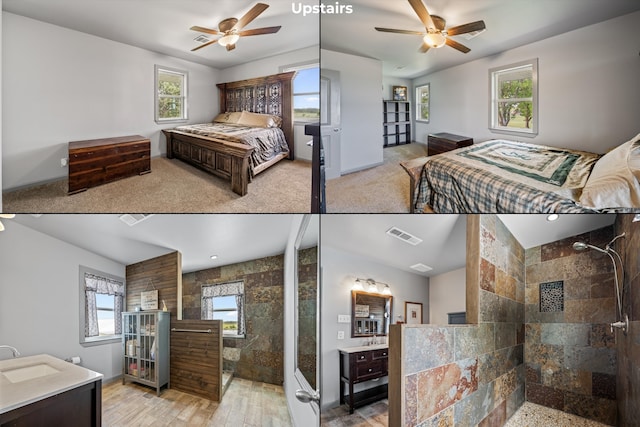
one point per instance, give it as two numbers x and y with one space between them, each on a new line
203 45
230 47
424 48
466 28
205 30
250 16
423 14
454 44
7 216
391 30
258 31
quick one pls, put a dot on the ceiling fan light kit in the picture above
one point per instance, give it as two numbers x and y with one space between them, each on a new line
436 35
231 29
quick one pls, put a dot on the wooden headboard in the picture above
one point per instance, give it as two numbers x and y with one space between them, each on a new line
266 95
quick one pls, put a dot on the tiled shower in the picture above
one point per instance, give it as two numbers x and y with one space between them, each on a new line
549 309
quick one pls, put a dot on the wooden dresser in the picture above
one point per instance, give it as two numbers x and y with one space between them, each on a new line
443 142
357 364
98 161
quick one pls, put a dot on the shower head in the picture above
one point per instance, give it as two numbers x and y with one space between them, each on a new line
581 246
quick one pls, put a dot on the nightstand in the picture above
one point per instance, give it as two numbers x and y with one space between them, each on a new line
443 142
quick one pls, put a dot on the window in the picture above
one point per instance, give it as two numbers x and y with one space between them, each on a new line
514 98
306 92
422 103
225 301
102 300
171 95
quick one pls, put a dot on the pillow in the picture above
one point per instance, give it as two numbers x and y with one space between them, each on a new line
615 179
228 117
259 120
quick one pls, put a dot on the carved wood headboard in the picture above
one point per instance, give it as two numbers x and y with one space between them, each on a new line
266 95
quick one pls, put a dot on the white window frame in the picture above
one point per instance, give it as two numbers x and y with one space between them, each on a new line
419 104
104 339
184 95
494 100
228 334
298 67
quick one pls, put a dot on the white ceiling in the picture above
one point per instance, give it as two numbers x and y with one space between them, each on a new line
163 25
233 238
510 23
444 236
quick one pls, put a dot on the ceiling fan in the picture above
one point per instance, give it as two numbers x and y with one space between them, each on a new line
5 216
436 35
230 29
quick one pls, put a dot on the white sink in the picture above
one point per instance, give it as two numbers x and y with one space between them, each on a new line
29 373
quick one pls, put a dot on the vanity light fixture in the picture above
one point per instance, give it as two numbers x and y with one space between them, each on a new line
357 286
371 286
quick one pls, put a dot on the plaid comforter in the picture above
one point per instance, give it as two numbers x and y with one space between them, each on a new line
453 183
268 142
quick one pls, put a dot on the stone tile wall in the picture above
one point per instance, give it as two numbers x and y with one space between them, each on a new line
259 356
628 346
473 374
570 355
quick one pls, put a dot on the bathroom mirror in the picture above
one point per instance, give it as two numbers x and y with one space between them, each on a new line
306 301
370 314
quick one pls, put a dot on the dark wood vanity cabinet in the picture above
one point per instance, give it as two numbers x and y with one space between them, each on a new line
360 366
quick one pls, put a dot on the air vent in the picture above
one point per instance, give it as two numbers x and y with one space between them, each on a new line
202 39
403 235
421 267
133 219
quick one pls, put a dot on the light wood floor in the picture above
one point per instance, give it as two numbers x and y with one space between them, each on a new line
373 415
245 404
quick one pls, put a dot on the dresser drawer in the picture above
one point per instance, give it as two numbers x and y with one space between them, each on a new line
362 357
380 354
373 369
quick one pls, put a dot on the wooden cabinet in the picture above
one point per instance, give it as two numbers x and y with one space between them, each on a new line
396 122
442 142
360 366
98 161
145 341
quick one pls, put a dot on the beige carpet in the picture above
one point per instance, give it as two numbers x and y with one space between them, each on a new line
174 186
382 189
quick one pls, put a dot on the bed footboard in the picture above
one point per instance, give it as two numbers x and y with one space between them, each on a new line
228 160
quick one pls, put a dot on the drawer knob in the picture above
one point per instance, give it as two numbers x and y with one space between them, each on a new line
384 354
361 357
370 369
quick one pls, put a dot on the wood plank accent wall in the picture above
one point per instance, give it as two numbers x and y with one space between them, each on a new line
196 358
165 272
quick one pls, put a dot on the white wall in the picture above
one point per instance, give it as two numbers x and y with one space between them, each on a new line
61 85
447 294
273 65
589 90
301 413
339 270
388 82
361 109
40 298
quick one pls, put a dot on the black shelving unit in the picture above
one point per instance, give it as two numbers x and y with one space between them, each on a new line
396 122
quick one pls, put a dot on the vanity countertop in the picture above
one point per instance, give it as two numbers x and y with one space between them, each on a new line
21 393
363 348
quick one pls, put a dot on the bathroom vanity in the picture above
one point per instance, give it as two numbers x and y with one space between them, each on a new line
359 364
43 391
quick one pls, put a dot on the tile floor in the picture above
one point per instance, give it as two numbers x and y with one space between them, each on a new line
373 415
245 404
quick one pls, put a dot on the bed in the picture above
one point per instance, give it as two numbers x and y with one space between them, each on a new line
237 151
501 176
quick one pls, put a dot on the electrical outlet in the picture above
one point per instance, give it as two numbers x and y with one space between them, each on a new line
340 335
344 318
63 162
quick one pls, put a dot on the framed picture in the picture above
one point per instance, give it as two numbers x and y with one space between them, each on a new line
362 310
413 313
399 93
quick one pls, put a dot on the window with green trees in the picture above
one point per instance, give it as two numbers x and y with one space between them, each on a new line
306 92
422 103
171 95
514 103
